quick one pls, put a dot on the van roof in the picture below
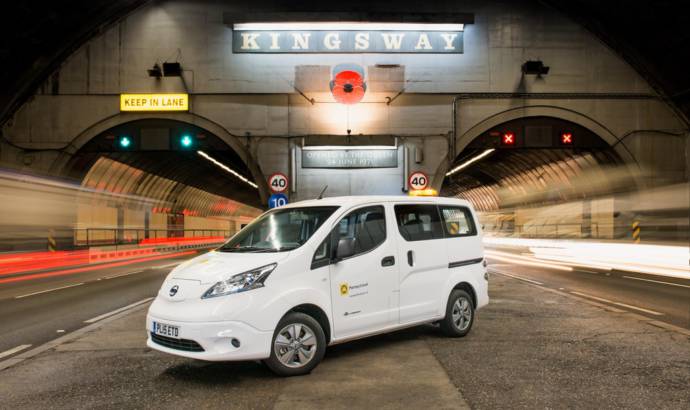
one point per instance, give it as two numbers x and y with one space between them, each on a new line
354 200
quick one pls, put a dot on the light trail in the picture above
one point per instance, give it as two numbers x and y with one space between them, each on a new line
664 260
94 267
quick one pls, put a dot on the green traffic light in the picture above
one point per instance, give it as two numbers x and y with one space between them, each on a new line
125 142
186 141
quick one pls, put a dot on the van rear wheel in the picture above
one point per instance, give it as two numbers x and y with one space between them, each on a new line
298 345
459 314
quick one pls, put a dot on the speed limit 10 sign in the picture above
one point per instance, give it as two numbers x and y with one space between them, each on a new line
278 182
418 180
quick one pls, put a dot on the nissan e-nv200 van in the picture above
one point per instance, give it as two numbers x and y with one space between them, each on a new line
320 272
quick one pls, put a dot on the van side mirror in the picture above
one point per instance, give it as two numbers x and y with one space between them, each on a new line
345 249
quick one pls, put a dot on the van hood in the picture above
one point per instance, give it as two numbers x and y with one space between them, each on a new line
216 266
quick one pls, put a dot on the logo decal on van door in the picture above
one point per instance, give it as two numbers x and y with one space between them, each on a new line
344 288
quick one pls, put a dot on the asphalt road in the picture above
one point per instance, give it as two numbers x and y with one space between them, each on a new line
37 311
663 298
34 312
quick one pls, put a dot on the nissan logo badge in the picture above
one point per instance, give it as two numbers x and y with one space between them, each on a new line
173 290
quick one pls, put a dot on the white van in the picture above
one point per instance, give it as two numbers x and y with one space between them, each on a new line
321 272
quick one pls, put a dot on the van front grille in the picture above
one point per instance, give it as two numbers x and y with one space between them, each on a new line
177 344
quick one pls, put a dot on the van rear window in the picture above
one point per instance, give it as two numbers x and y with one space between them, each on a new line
457 221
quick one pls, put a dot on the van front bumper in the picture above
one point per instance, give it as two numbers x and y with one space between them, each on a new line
212 341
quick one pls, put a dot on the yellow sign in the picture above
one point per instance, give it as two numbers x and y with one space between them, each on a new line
343 289
154 102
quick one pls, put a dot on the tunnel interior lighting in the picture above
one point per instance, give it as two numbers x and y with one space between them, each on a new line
227 169
346 26
124 141
470 161
567 138
508 138
186 141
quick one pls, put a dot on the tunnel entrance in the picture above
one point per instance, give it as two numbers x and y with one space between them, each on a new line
160 178
541 176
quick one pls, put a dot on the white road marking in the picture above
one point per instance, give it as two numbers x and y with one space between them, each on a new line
116 311
61 330
122 274
584 295
516 277
14 350
170 265
658 281
49 290
515 259
67 337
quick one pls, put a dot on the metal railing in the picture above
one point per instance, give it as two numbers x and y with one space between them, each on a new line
116 237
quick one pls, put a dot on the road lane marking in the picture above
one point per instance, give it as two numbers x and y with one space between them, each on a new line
123 274
517 261
14 350
48 290
658 281
116 311
170 265
516 277
68 337
651 312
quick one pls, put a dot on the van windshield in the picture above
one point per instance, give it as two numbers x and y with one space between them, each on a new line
279 230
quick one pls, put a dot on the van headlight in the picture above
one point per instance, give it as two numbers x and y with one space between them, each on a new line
241 282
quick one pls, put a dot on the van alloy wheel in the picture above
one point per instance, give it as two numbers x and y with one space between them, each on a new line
462 313
295 345
459 314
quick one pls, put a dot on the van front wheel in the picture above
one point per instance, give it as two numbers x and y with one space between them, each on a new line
459 314
298 345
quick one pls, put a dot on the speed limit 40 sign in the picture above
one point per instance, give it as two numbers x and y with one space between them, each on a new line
418 180
278 182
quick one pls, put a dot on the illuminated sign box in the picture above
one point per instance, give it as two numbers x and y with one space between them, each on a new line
347 38
154 102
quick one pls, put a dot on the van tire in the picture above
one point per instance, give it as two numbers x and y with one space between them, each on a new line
307 325
459 307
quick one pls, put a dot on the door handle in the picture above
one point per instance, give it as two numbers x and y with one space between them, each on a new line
410 258
388 261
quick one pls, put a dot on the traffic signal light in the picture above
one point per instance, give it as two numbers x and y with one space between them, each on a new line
567 138
186 141
124 142
508 138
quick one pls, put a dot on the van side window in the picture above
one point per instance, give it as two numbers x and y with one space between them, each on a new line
366 225
418 222
457 221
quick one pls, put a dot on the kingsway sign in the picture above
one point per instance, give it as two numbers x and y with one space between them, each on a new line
346 41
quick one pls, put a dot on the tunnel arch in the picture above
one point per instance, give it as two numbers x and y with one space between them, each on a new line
539 110
62 163
158 173
538 168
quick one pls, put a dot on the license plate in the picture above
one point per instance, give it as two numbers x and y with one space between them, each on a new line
166 330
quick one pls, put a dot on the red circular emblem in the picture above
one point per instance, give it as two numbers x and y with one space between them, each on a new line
348 85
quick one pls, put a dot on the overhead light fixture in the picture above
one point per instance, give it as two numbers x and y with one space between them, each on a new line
228 169
470 161
347 147
535 67
172 69
155 71
346 26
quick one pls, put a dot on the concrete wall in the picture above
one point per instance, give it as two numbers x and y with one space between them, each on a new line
251 97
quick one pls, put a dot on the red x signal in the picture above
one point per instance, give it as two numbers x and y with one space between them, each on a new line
508 138
567 138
